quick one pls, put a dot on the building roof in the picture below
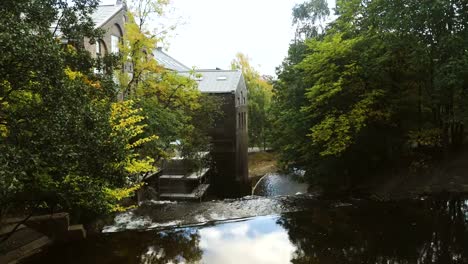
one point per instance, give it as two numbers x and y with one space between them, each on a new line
104 13
100 16
217 81
168 62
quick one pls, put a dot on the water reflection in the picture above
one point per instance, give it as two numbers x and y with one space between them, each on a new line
275 184
390 233
260 240
422 232
178 246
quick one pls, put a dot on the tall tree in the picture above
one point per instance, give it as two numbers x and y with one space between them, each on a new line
383 84
260 94
308 17
62 146
171 102
290 124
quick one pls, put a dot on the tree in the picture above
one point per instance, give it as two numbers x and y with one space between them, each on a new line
379 87
171 102
306 15
63 145
260 94
290 124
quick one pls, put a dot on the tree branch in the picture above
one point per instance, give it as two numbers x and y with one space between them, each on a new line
16 228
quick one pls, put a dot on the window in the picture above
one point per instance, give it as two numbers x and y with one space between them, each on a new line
115 44
244 120
239 120
129 47
115 78
100 51
98 48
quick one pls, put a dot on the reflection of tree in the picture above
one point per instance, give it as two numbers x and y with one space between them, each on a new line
179 246
413 232
174 247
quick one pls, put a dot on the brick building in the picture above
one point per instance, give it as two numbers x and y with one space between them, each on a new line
230 137
112 19
230 134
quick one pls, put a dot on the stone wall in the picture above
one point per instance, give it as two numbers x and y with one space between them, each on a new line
114 26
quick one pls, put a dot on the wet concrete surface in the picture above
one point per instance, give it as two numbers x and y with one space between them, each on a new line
157 214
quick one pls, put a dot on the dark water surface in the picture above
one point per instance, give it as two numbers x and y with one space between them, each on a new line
316 231
274 184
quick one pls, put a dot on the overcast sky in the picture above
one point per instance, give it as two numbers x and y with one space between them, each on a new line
215 30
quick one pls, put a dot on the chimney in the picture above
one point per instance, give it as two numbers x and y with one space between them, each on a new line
218 69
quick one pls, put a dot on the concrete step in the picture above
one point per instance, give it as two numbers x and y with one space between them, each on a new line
197 175
196 194
171 177
76 232
19 238
52 225
36 233
25 248
177 186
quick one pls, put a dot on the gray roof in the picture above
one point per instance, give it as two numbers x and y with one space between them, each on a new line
104 13
217 81
100 16
168 62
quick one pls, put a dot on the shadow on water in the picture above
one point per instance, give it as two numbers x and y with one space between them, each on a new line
392 233
416 231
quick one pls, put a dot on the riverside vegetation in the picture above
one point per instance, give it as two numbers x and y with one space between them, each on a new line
66 142
379 86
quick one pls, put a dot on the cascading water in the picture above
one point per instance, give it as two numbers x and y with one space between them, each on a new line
277 194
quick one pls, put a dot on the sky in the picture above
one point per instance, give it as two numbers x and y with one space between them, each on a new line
258 241
214 31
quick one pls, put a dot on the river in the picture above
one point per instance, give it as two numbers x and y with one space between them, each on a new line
275 184
293 228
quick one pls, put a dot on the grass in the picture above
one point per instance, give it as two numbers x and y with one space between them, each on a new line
261 163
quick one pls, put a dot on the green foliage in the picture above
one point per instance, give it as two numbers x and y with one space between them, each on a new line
382 83
173 106
66 143
259 102
305 16
127 128
61 145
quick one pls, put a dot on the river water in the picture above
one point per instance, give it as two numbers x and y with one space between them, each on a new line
279 229
274 184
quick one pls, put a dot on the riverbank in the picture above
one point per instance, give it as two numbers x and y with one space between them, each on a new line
261 163
449 176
